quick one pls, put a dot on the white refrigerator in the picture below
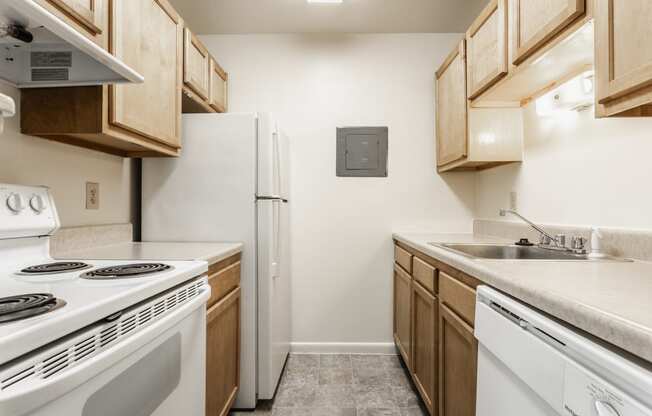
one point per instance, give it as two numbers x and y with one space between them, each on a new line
231 183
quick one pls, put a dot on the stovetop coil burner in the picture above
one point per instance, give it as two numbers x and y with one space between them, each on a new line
54 268
14 308
125 271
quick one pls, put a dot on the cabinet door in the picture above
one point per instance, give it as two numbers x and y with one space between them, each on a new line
218 88
223 354
148 36
458 358
85 13
534 22
486 42
425 315
623 54
402 312
451 108
195 64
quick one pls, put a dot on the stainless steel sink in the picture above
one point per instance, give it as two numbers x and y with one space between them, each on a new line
514 252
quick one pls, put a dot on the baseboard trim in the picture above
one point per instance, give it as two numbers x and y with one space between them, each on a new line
343 348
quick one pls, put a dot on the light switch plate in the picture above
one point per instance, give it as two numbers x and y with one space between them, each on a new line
362 151
92 195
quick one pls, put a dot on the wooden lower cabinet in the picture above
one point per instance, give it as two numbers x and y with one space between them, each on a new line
433 331
458 357
402 313
425 334
223 354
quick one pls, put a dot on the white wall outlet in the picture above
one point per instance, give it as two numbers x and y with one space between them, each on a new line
513 201
92 195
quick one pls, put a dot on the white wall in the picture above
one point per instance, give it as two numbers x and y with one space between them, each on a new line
29 160
578 171
342 247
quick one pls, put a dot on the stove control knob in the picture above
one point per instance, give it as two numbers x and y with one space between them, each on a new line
16 202
37 203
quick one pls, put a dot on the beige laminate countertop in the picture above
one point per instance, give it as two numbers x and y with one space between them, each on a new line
209 252
611 300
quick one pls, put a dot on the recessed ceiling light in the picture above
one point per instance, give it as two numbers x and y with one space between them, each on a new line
325 1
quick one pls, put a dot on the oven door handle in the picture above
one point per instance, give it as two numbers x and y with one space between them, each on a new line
32 395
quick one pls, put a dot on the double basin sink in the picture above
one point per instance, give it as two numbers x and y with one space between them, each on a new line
515 252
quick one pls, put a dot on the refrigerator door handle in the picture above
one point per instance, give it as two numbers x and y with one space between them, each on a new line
271 198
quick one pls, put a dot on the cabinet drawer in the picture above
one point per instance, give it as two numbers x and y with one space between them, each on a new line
459 297
403 258
425 274
223 282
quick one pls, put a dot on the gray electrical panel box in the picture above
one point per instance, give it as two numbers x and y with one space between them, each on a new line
362 151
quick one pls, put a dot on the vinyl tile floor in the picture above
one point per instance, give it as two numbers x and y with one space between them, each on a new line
343 385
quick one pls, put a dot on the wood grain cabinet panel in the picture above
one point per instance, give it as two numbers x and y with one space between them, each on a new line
486 42
458 297
86 16
451 107
623 55
218 87
403 313
458 358
535 22
196 64
425 274
223 282
223 354
136 120
403 258
425 335
147 36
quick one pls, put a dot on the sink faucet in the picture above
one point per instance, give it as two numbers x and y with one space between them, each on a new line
549 241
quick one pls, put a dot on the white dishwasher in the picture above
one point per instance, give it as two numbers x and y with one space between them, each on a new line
530 365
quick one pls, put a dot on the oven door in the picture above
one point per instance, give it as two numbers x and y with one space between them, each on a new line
158 371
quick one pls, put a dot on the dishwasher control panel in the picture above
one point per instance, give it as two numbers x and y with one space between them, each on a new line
586 395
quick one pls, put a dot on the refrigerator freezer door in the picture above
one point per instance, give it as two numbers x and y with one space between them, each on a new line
273 159
207 194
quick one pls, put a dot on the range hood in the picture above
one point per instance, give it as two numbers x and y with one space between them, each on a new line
37 49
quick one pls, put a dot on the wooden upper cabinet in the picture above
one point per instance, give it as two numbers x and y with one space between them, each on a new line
148 36
486 42
535 22
89 17
196 63
218 87
451 107
623 55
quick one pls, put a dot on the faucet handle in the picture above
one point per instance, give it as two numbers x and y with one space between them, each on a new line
578 244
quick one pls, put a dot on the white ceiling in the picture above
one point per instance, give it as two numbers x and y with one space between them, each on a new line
352 16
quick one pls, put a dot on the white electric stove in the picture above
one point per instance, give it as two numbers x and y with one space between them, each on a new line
94 337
